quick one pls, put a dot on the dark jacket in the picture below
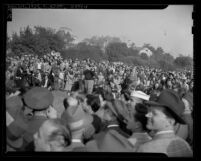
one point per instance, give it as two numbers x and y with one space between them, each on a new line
89 74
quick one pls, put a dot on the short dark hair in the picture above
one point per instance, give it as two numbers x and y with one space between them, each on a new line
94 102
65 103
141 111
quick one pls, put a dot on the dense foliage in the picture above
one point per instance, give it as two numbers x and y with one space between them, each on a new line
41 40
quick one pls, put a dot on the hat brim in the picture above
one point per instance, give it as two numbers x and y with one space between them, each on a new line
175 115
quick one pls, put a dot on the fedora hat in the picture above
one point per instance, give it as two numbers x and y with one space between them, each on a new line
38 98
76 118
170 100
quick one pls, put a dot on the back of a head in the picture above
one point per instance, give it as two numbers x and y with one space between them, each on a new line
94 102
141 111
58 132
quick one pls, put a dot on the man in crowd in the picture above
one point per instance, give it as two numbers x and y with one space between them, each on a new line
52 135
38 101
89 80
162 115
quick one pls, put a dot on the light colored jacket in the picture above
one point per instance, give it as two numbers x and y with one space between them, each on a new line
169 144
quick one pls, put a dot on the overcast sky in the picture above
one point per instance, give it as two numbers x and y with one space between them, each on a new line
169 28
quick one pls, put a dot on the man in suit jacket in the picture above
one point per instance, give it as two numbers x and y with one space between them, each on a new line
162 115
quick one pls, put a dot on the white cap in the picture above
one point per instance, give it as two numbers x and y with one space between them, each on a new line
140 94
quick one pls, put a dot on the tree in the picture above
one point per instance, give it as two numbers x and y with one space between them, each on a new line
184 62
149 47
39 41
168 58
102 41
66 36
83 50
144 56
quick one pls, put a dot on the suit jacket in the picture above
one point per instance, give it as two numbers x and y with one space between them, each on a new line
118 129
138 139
33 126
76 147
169 144
110 141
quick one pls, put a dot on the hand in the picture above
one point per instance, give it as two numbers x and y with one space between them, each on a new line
51 113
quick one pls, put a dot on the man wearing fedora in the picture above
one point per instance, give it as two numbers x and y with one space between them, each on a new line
38 101
162 115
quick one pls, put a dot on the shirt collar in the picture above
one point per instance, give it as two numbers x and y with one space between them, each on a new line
112 125
165 132
76 141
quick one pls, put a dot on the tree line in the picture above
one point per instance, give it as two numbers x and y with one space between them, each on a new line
41 40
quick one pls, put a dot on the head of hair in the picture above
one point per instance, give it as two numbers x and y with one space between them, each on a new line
65 103
93 101
139 115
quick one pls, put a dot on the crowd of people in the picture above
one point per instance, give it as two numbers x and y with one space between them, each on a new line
56 104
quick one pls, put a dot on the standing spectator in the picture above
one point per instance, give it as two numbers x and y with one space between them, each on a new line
89 80
162 116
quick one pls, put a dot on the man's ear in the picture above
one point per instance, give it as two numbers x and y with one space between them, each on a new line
138 125
171 121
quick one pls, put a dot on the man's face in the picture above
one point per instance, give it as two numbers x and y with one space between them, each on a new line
157 120
51 112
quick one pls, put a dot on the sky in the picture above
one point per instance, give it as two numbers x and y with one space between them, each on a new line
169 28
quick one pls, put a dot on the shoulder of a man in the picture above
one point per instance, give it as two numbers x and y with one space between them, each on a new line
179 147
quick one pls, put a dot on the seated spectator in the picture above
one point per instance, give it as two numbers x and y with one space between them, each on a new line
53 135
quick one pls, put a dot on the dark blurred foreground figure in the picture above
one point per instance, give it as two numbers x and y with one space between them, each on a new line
162 115
137 124
26 114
